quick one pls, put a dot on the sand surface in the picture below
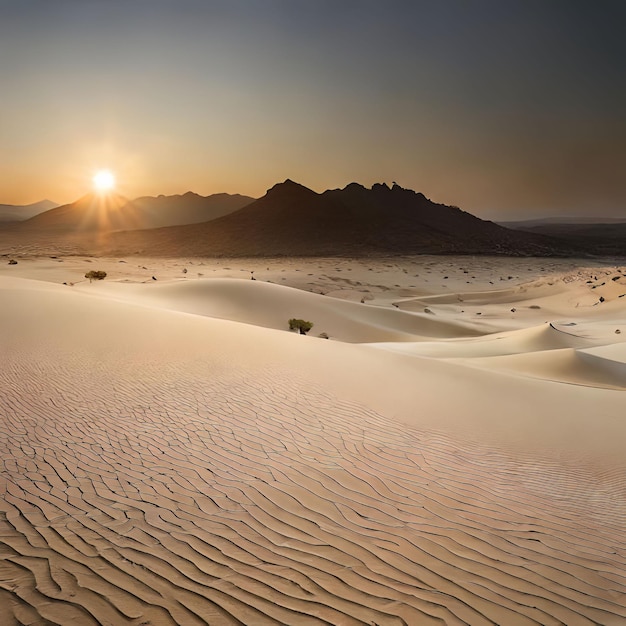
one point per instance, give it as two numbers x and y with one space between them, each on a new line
454 453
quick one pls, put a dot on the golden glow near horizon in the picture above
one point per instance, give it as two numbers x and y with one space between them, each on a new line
103 180
424 111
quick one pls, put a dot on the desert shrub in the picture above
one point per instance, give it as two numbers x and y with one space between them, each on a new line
12 262
95 275
300 325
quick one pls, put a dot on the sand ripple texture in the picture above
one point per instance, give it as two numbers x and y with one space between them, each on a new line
199 489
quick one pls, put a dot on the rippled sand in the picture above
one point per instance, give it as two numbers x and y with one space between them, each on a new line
171 454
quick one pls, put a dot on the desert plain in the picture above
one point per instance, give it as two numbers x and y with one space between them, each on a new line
450 450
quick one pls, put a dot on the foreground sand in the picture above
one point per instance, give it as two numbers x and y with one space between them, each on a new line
454 454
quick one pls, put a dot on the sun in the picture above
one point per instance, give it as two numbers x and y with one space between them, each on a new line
103 180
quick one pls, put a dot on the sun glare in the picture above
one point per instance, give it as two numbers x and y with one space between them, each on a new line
104 180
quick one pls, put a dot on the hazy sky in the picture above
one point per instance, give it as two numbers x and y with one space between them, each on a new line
507 108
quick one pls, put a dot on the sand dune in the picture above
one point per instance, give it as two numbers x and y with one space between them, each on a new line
536 339
170 455
271 306
565 365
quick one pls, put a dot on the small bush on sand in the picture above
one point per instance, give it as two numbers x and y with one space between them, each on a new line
300 325
12 262
95 275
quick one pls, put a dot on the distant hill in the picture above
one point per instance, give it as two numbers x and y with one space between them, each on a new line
571 219
19 213
114 212
605 237
292 220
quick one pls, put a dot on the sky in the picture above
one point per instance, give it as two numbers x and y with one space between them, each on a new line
510 109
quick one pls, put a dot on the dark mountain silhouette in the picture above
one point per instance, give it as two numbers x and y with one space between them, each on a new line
21 212
292 220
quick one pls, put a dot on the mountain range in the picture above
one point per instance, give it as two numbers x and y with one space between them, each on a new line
289 220
292 220
112 212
